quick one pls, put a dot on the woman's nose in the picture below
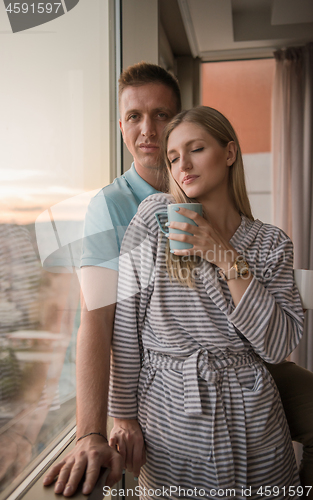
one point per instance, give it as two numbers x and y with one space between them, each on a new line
185 163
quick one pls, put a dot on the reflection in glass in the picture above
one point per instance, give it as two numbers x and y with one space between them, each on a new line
56 133
38 315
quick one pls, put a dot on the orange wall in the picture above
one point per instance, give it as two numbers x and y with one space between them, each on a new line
242 91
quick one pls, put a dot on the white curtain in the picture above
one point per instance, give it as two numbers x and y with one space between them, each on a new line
292 145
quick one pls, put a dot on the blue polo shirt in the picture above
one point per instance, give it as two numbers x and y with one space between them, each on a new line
108 215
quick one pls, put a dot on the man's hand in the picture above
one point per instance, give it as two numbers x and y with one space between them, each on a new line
89 455
127 436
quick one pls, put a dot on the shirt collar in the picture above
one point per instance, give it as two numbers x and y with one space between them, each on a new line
138 185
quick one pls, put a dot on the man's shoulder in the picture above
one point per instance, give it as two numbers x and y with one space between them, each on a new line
117 202
114 191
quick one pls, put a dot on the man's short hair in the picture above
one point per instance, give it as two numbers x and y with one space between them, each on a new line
143 73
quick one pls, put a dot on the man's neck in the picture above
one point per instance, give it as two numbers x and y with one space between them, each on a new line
153 176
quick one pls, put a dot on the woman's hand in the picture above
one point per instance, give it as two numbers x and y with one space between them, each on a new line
206 240
126 435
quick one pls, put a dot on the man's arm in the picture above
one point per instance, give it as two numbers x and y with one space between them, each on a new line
93 371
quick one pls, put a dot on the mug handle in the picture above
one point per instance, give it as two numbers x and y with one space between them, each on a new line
159 223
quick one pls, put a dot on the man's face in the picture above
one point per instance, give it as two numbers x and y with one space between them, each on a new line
145 111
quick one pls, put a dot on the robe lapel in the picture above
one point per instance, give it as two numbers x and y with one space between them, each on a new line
212 285
244 236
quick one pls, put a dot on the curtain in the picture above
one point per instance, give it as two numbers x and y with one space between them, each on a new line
292 146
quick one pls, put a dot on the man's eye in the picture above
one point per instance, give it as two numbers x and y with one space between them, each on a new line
163 116
197 150
133 117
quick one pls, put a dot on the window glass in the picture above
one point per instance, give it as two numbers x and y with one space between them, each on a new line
242 91
55 154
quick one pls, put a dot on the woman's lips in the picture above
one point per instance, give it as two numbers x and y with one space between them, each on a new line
189 179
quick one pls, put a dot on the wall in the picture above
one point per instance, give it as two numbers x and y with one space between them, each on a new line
242 91
140 39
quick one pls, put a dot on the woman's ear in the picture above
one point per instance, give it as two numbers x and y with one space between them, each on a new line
231 153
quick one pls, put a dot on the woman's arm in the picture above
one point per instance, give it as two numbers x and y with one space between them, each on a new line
135 269
136 265
269 314
268 309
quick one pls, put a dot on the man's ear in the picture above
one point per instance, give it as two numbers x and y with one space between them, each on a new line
121 127
231 153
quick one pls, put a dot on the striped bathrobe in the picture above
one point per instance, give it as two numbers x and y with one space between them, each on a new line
187 364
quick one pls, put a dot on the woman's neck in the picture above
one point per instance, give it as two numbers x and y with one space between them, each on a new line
223 216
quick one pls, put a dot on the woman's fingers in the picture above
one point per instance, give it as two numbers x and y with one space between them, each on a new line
205 240
200 230
201 244
183 226
191 214
123 441
117 441
127 436
139 455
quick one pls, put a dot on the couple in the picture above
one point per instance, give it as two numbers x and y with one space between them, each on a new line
216 419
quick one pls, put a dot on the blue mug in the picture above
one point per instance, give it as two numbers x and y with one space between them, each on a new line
173 216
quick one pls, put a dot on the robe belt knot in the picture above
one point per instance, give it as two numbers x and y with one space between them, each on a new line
200 364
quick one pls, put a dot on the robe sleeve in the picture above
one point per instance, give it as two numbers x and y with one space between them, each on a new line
270 313
135 285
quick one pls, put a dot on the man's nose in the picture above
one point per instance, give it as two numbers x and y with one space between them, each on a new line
148 127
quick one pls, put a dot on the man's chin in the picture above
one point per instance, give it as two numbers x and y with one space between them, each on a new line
156 163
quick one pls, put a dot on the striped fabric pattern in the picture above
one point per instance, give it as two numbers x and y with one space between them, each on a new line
188 364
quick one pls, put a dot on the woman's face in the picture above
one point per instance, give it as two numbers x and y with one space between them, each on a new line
199 165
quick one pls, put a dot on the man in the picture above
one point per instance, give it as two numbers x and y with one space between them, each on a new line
149 98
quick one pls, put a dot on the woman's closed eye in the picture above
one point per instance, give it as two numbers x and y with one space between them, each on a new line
174 159
197 150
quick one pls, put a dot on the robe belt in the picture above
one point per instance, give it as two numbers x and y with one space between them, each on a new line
200 364
203 365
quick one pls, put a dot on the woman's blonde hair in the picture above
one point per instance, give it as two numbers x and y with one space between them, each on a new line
217 125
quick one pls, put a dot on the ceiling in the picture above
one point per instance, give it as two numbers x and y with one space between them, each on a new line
233 29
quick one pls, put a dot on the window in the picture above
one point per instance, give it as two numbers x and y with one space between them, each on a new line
57 102
242 91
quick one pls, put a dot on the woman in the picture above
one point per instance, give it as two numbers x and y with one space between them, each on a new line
192 328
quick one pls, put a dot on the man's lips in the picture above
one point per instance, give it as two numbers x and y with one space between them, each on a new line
189 178
148 147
